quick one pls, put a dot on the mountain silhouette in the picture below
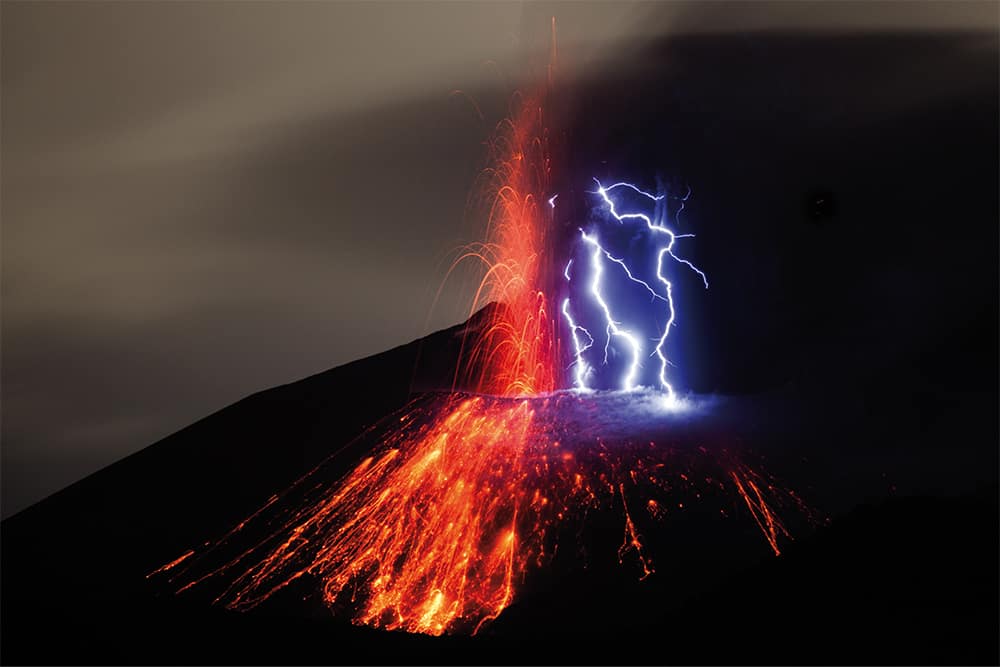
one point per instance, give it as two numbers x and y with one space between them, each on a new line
890 580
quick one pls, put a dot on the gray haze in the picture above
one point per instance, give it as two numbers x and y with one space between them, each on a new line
202 200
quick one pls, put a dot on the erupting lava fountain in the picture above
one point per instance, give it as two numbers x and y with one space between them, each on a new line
435 530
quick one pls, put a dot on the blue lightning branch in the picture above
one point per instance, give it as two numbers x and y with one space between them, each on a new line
614 327
581 370
656 229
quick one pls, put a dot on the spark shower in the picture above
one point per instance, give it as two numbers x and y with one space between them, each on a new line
469 492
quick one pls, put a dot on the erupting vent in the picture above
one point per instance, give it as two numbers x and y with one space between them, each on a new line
435 530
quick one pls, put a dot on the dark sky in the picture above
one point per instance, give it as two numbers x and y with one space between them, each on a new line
202 200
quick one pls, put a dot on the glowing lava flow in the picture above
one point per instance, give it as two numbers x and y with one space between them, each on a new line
463 495
434 530
425 531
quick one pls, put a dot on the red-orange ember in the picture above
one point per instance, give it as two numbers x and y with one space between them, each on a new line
437 528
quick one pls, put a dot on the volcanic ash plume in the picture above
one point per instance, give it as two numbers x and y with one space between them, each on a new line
463 496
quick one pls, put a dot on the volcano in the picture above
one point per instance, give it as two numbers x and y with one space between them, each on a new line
872 575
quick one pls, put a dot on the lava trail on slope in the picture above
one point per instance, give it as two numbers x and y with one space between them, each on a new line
463 495
470 495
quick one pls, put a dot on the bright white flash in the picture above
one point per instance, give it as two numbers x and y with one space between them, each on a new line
615 328
656 229
581 368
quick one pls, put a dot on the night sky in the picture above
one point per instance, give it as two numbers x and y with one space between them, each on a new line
203 200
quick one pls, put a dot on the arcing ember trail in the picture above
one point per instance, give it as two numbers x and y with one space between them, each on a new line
469 493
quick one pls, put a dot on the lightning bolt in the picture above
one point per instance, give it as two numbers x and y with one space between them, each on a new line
613 326
628 273
581 368
656 229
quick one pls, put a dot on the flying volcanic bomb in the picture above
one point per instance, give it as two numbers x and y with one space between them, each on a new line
463 495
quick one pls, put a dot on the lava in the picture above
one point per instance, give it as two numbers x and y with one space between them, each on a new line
427 527
517 352
434 531
464 495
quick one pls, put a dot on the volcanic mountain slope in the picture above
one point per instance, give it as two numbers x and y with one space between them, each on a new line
85 551
888 579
